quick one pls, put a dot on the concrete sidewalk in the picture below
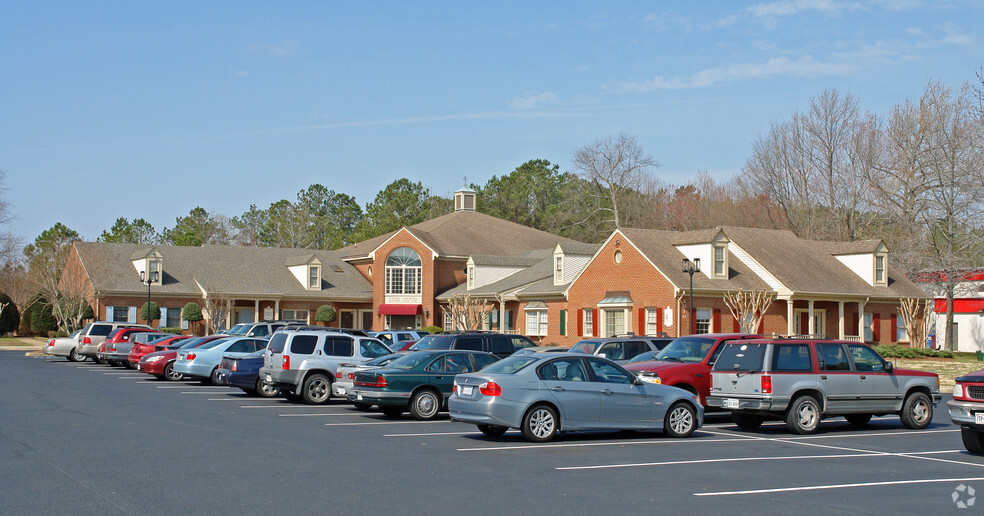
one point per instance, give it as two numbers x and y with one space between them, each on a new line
29 345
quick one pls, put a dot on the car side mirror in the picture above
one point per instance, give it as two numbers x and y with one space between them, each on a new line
636 380
889 367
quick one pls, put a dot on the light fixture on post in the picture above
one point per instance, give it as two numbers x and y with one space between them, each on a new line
149 280
690 267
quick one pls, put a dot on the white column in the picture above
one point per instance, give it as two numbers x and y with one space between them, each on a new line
276 309
502 317
861 319
790 327
228 313
256 310
840 320
812 319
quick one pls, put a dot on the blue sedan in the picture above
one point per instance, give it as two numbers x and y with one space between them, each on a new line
244 372
544 393
202 363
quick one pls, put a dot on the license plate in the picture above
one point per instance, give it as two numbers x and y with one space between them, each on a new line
269 379
358 397
730 402
341 391
979 418
467 390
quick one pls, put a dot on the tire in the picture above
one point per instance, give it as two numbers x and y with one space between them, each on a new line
803 416
392 411
540 424
917 411
425 404
265 390
361 406
973 440
493 430
858 419
291 396
129 365
213 379
171 374
747 421
317 389
74 356
680 420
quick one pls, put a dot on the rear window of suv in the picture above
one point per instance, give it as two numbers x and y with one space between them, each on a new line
277 343
100 330
792 357
741 357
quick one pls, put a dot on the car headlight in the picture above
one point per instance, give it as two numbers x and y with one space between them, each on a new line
650 378
957 390
154 359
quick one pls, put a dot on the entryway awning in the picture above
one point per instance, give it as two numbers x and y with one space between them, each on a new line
394 309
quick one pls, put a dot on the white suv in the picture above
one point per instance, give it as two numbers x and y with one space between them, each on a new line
303 363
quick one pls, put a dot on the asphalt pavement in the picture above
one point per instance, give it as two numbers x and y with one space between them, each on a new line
80 438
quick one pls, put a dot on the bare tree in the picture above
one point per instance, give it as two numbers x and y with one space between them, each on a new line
748 307
9 243
15 281
215 304
619 171
468 312
915 315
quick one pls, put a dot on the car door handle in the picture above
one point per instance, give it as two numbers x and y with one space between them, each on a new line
607 391
823 377
558 389
699 375
863 377
438 377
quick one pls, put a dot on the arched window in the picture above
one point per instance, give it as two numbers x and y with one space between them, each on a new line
403 272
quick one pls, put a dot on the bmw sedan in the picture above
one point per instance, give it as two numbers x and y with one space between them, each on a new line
545 393
202 363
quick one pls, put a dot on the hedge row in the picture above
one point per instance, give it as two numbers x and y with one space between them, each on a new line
895 351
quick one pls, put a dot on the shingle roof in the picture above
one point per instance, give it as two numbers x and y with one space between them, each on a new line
243 270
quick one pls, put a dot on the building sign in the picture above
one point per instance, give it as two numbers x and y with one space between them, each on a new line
668 317
403 300
268 314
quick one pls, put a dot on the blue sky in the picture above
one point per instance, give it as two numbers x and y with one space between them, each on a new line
148 109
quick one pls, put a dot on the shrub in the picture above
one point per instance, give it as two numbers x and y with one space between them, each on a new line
10 318
325 314
168 329
42 320
896 351
433 329
155 312
192 312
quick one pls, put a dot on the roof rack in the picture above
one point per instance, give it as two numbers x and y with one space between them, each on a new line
809 336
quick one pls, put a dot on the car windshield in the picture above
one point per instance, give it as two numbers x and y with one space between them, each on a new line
411 361
642 357
212 344
190 343
239 329
686 349
510 365
433 342
586 346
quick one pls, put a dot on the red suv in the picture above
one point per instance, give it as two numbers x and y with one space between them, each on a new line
686 362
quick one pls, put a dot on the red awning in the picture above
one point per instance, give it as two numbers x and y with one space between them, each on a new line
393 309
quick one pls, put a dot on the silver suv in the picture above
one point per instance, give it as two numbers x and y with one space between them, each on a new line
303 363
804 381
95 333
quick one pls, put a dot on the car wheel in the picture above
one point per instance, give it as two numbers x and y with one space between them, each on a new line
97 360
129 365
858 419
214 377
973 440
362 406
171 374
291 396
317 389
747 421
803 416
493 430
425 404
680 420
917 411
540 424
74 356
265 390
391 411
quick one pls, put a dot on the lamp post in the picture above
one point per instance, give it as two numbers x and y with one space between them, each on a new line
149 281
690 267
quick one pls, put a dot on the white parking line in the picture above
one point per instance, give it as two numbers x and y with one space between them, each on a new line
184 386
317 414
231 398
210 393
386 423
425 434
586 445
129 377
279 406
840 486
742 459
121 372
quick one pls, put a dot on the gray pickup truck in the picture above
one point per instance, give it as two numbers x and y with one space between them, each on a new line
803 381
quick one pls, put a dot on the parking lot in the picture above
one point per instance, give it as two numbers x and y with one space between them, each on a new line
83 438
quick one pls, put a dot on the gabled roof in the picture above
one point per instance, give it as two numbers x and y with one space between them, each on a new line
235 270
467 233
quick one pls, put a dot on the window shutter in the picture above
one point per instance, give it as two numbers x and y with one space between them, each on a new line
563 322
595 323
642 321
659 319
735 325
133 314
509 320
895 329
856 321
716 328
580 322
876 327
163 321
109 313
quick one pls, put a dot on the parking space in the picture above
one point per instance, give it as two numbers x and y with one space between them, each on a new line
842 468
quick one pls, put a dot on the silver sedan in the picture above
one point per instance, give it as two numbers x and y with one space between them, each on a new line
545 393
64 347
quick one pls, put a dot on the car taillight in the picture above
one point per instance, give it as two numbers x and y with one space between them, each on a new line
235 366
86 340
381 381
51 342
190 356
766 384
454 388
286 363
338 375
351 376
490 389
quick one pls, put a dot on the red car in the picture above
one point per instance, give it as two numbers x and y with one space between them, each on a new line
161 363
140 349
116 347
686 362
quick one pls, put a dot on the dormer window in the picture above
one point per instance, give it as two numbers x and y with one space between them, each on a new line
314 277
720 260
879 269
558 270
471 277
154 268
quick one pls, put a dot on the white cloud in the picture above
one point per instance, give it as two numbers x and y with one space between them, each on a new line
531 100
953 35
666 21
788 7
776 67
915 31
282 49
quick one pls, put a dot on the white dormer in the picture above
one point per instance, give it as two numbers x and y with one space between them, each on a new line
307 270
871 267
558 268
464 199
470 271
713 256
567 264
149 265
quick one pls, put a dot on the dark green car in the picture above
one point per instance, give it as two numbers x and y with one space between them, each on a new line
421 381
